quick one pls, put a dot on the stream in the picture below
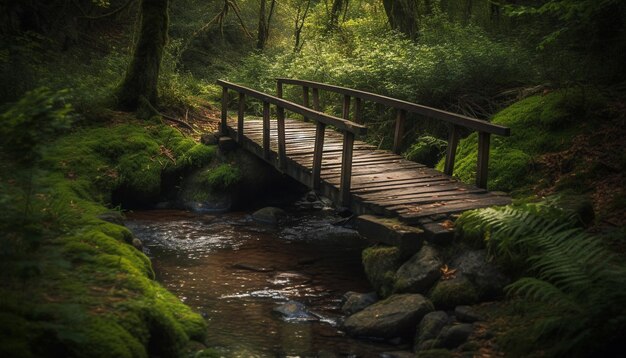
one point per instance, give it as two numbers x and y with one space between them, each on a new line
235 271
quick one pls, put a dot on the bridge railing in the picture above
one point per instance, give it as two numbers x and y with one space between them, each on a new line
348 128
455 121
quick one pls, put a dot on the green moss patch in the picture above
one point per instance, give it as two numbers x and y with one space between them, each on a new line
380 264
71 284
539 124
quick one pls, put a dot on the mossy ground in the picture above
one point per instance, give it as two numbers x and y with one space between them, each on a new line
72 285
539 124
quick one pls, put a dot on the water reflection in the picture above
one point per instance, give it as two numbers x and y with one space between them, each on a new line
236 271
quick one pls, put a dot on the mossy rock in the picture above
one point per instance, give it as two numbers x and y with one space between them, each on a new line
448 294
380 264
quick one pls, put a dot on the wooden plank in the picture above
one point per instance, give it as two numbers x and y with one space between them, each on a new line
399 132
433 209
483 160
387 197
280 123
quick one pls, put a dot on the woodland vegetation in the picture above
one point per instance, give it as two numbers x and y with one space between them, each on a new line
88 90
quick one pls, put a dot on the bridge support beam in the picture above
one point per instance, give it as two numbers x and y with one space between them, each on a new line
346 168
223 124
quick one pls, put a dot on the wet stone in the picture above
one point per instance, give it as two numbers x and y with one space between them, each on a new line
355 302
294 311
269 215
397 354
430 328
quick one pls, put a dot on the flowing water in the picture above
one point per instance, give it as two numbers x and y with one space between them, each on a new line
235 271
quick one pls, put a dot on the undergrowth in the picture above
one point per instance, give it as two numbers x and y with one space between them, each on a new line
572 285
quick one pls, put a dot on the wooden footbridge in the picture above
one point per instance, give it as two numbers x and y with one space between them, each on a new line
322 152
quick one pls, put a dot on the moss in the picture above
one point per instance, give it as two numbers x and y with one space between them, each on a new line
427 150
81 289
539 124
448 294
222 177
380 264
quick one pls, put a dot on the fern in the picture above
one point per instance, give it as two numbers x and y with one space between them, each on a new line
568 272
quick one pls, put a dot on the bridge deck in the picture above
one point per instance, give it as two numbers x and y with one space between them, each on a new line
383 183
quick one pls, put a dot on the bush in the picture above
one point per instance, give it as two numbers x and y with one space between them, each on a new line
426 150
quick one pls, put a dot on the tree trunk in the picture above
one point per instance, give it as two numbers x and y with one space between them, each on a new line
263 32
403 16
142 75
335 11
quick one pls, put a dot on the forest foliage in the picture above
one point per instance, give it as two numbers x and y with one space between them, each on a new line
551 70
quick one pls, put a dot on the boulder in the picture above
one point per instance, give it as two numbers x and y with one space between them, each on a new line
380 264
397 316
269 215
467 314
420 273
430 328
448 294
294 311
456 335
487 277
391 231
434 353
355 302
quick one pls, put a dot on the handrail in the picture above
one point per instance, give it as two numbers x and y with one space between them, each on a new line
484 129
341 124
453 118
350 130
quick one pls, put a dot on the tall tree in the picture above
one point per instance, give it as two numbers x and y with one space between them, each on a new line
263 32
142 75
403 15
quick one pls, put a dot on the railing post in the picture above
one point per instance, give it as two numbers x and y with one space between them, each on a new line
266 130
279 89
346 169
346 107
453 141
305 99
483 160
224 125
316 99
358 110
399 133
280 123
318 153
240 115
